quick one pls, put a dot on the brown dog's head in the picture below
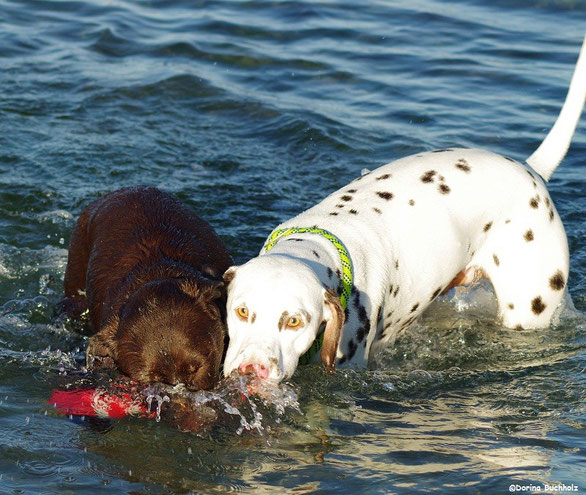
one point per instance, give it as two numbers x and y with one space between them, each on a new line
168 331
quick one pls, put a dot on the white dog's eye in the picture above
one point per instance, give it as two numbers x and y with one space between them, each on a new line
293 322
242 313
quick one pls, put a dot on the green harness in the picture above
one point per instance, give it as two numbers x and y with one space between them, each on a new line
347 277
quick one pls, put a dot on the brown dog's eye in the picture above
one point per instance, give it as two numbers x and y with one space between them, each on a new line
242 313
293 322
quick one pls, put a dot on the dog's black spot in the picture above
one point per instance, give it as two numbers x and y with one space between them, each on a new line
463 165
385 195
529 236
557 282
436 293
389 314
294 240
496 260
547 202
351 349
396 291
414 308
537 305
487 227
360 309
360 334
315 253
534 185
379 315
383 177
346 197
377 210
428 176
507 220
391 289
396 264
334 213
340 206
408 322
353 211
519 327
534 202
411 202
439 151
352 191
551 215
444 189
511 306
330 272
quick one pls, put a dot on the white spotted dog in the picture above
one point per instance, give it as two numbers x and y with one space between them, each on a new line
362 265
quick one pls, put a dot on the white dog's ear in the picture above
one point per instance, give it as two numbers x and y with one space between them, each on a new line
229 274
334 323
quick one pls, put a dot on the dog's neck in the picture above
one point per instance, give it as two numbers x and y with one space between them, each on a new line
317 253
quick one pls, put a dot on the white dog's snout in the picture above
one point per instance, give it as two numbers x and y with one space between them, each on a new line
252 358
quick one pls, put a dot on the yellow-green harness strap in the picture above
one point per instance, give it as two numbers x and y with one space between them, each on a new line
347 277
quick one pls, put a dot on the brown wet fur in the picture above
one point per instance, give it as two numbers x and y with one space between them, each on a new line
149 271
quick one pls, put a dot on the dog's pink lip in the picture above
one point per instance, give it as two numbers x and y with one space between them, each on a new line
258 370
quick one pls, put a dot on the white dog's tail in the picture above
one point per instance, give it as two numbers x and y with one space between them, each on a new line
554 147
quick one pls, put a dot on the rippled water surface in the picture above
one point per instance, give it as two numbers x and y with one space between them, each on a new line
249 112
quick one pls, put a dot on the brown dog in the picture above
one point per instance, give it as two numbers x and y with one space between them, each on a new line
148 271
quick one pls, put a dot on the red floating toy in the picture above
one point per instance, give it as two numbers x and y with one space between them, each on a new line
98 403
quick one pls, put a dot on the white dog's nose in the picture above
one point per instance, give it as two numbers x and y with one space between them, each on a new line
254 369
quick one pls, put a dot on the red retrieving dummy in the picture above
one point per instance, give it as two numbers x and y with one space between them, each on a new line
98 403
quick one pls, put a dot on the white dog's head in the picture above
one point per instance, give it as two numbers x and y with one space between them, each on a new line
276 307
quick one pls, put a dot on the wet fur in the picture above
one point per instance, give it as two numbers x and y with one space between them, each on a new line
148 272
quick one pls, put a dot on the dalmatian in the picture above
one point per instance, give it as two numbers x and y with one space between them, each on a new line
342 279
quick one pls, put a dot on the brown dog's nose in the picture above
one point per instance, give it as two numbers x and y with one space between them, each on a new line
253 369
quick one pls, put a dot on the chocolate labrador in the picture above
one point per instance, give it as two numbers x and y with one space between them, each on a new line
148 271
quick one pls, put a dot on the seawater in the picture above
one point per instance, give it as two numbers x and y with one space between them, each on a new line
250 112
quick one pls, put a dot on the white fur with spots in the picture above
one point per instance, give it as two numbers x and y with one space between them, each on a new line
411 227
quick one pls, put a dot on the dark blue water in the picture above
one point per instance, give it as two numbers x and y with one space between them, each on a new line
249 112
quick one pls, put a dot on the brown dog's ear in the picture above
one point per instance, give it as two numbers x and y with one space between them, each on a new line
207 291
211 271
202 288
334 323
101 351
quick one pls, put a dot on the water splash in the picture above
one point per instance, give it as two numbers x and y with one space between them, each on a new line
159 401
254 405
